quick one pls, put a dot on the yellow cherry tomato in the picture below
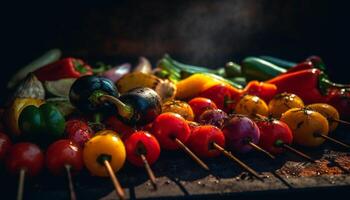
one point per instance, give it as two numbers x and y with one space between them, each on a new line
251 105
180 107
104 146
12 113
306 125
283 102
328 111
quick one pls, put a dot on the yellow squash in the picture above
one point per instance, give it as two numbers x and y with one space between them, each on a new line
180 107
251 105
283 102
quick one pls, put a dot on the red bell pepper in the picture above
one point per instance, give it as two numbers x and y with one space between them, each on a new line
312 85
301 66
64 68
265 91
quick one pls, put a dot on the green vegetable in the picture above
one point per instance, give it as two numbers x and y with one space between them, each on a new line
47 58
254 68
43 124
279 62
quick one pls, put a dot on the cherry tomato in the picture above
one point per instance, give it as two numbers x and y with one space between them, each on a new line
62 153
5 144
26 156
340 99
104 146
201 104
202 139
215 117
251 105
167 127
78 131
116 125
328 111
224 96
283 102
239 131
142 143
180 107
273 132
305 125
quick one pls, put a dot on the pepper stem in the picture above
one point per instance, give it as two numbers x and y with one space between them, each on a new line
124 110
329 83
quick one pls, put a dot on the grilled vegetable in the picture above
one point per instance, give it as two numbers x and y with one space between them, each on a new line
59 88
265 91
30 87
64 68
306 126
328 111
133 80
43 124
251 106
47 58
105 146
144 66
180 107
254 68
283 102
12 113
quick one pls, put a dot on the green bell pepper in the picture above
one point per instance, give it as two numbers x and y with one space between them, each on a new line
42 124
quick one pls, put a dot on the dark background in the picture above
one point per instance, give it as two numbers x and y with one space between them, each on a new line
208 33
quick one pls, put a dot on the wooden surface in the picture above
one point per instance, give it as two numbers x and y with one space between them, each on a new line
178 177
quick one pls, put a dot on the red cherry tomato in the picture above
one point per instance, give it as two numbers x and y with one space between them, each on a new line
202 138
78 131
224 96
5 144
62 153
271 132
141 143
25 156
116 125
201 104
167 127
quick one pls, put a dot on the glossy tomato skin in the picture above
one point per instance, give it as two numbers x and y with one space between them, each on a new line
238 131
201 104
272 131
168 126
78 131
25 156
340 99
142 143
5 145
202 138
225 97
62 153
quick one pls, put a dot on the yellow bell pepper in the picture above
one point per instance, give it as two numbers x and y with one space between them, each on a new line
105 146
12 113
196 83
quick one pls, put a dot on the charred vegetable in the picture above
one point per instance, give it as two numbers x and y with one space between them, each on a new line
139 106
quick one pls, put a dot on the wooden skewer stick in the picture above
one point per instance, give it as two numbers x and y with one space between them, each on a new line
239 162
297 152
22 174
333 140
192 155
70 183
340 121
149 171
256 147
118 188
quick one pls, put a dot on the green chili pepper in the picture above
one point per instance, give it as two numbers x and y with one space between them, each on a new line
42 124
254 68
